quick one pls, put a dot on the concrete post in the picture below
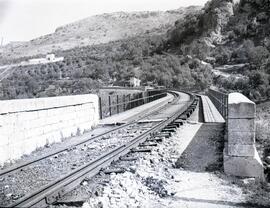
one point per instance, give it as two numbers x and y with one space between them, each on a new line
240 155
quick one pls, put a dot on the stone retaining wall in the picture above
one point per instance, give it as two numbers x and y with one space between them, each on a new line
27 124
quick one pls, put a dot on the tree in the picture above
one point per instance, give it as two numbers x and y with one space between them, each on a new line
257 78
258 54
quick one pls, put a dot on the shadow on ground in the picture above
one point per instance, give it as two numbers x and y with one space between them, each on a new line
204 153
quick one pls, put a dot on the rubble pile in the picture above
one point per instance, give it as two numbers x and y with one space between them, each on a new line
157 186
125 190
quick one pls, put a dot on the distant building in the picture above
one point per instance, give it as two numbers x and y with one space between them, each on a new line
121 83
148 88
50 58
35 61
134 82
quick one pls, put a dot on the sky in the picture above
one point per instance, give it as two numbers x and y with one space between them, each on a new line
23 20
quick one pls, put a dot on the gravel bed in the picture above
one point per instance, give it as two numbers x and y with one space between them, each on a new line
16 185
48 149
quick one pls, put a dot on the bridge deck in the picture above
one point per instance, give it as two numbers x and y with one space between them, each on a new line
131 114
210 112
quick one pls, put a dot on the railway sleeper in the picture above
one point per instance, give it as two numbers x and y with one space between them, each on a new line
168 130
70 203
179 121
130 135
164 134
172 126
190 109
188 115
140 150
175 124
193 109
156 139
128 158
148 145
173 129
115 170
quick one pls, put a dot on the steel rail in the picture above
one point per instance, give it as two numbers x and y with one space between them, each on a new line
24 164
54 190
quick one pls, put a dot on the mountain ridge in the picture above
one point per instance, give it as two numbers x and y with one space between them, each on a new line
98 29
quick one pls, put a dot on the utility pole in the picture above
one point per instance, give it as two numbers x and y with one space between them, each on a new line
2 40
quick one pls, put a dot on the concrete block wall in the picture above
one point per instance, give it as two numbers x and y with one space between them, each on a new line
240 155
27 124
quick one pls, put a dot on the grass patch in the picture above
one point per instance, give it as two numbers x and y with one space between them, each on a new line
263 129
263 134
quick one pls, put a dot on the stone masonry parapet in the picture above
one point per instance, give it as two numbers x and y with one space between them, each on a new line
28 124
240 154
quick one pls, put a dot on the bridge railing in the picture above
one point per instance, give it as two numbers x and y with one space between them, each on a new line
119 103
220 100
240 157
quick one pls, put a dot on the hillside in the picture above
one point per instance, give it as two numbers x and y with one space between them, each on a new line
229 33
226 44
86 69
97 29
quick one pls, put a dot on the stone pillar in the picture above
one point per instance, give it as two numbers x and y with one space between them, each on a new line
240 155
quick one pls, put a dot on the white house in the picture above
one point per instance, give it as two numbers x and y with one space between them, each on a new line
50 58
134 82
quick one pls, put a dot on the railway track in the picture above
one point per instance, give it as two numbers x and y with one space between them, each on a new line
133 134
83 142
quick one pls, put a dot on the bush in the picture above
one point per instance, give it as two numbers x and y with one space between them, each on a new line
258 54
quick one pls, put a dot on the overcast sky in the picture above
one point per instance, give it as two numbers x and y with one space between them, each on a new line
22 20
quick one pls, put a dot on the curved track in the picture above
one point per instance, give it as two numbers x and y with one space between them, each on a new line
181 107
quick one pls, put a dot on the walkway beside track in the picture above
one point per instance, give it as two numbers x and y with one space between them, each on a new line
131 114
210 112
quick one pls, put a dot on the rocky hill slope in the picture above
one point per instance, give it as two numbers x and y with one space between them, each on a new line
98 29
229 33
